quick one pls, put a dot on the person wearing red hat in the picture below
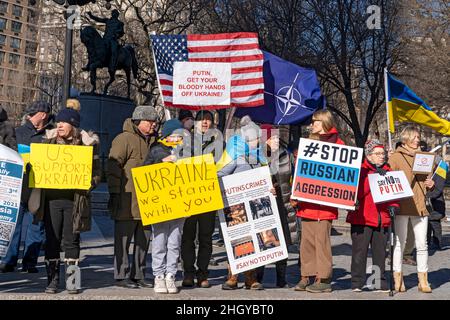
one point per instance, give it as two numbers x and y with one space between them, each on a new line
370 221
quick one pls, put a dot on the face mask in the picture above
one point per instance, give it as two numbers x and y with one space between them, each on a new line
188 124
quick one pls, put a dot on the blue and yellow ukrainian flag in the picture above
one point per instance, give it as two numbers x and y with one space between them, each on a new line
441 170
405 105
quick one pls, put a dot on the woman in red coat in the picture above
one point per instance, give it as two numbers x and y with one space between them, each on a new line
315 247
370 221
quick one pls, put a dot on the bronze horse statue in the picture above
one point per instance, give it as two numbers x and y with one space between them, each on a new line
99 56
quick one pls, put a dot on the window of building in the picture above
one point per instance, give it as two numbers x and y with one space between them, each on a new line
15 43
2 39
17 11
2 24
12 75
2 56
14 58
30 63
30 48
32 16
16 26
3 7
1 73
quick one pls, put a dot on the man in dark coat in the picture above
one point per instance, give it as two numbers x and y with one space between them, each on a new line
37 117
7 136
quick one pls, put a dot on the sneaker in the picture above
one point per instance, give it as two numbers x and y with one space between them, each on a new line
303 283
160 284
170 283
319 286
254 286
357 290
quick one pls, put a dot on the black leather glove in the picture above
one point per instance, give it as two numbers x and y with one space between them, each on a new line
393 211
381 171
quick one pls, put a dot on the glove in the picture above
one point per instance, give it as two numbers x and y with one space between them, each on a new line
381 171
393 210
113 203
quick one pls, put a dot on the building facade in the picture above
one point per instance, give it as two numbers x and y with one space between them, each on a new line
19 34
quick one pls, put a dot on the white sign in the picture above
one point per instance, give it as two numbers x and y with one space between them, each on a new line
392 186
201 83
250 221
11 175
327 174
423 163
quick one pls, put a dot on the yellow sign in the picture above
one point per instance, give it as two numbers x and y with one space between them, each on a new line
168 191
55 166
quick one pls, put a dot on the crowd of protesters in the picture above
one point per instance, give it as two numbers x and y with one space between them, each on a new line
56 217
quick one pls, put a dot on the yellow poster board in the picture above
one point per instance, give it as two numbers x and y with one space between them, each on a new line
168 191
55 166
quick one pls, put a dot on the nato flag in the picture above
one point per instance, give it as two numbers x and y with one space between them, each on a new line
291 93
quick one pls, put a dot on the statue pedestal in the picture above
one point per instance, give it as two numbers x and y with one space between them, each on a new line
105 116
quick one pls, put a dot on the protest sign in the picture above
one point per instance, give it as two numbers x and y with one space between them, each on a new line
201 83
423 163
392 186
168 191
250 221
55 166
327 173
11 174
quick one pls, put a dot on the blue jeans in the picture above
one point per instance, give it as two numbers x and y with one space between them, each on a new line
34 236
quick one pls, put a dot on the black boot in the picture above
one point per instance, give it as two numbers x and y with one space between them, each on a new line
52 267
72 286
280 268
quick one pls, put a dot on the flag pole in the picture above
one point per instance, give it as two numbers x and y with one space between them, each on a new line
386 88
166 112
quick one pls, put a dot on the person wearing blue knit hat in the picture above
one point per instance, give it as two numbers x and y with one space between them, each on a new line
166 245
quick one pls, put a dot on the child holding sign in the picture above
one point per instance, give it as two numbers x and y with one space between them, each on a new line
166 243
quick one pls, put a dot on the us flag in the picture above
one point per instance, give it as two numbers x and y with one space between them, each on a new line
240 49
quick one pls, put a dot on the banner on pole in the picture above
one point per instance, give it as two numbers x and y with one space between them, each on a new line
392 186
327 174
168 191
201 83
11 175
55 166
250 221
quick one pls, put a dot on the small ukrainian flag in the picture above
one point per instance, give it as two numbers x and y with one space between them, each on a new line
405 105
442 169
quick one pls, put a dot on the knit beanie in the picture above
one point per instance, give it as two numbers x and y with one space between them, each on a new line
145 113
185 114
372 144
170 126
202 113
70 116
250 130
